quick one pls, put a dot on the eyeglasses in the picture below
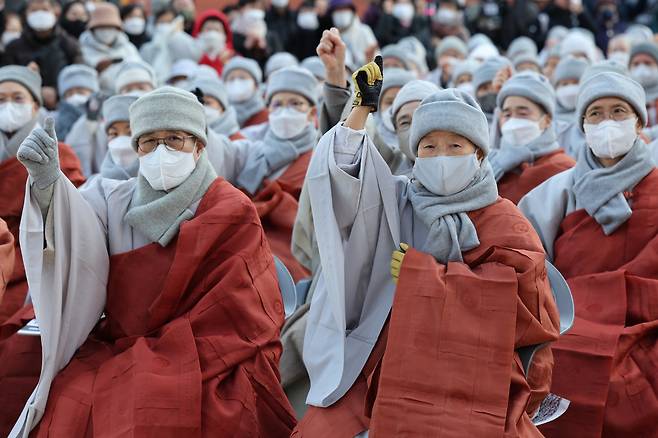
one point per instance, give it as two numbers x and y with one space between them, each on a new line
299 105
597 115
171 142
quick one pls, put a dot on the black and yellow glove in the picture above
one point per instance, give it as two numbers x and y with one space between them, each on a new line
396 261
368 84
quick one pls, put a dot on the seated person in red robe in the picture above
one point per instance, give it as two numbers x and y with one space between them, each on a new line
177 262
597 222
242 77
20 101
6 255
436 354
527 152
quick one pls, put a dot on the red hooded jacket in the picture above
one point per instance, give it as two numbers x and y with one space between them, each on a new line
214 14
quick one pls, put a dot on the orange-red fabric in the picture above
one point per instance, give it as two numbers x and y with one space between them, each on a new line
6 256
442 372
237 136
516 184
261 116
12 192
214 14
606 364
190 345
277 205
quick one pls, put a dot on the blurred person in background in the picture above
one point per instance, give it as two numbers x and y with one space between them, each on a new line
213 33
134 24
12 30
402 20
74 18
282 21
251 37
358 37
308 30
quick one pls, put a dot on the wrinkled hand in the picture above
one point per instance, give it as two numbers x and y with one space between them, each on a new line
368 84
40 156
331 50
501 77
396 261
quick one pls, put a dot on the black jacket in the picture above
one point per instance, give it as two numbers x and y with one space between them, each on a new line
51 54
390 31
283 25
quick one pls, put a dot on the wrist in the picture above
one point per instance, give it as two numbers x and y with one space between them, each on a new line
336 77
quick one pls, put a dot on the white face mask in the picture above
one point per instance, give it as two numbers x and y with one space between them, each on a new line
308 20
77 99
165 169
106 35
240 90
121 151
134 25
212 42
41 20
611 139
467 87
519 132
163 28
212 114
342 19
287 123
14 116
645 75
8 37
567 95
279 3
387 119
447 17
403 12
620 57
446 176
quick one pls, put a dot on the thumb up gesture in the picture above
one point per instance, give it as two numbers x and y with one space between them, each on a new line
40 156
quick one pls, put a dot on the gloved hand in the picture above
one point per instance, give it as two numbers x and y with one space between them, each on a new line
40 156
368 84
396 261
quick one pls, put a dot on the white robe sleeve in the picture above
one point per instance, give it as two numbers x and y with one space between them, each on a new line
67 274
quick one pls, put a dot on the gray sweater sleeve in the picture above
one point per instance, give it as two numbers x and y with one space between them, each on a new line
335 101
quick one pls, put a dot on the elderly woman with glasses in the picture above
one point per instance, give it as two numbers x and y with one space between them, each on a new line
177 261
597 223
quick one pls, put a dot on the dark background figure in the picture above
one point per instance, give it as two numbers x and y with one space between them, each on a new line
134 24
308 30
282 22
251 38
401 21
74 18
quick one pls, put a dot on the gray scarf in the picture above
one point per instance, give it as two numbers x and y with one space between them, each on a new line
510 157
600 190
158 214
9 145
271 154
451 231
111 170
386 135
248 108
227 123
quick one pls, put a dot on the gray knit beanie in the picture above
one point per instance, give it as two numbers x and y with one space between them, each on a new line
523 58
532 86
521 45
453 111
397 52
413 91
294 80
246 64
24 76
395 77
451 43
488 69
278 61
476 40
131 72
77 75
211 87
611 85
468 66
646 48
116 109
569 68
167 108
607 66
314 65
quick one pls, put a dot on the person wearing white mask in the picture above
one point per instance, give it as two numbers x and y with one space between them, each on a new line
75 85
579 44
166 256
220 114
594 221
13 30
213 34
358 37
134 77
462 76
566 80
401 19
242 78
450 52
281 20
134 24
643 66
398 255
526 152
619 49
307 30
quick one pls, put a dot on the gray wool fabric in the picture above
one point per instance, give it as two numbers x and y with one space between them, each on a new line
488 69
246 64
532 86
646 48
569 68
278 61
167 108
77 75
607 66
395 77
117 109
131 72
25 77
314 65
454 111
611 85
521 45
451 43
523 58
467 66
213 88
413 91
397 52
294 80
476 40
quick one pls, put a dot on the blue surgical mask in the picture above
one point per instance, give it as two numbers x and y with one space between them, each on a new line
446 175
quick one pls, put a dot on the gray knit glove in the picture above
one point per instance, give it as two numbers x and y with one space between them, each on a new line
40 156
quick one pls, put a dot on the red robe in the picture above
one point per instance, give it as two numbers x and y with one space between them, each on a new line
7 256
607 364
261 116
445 365
516 184
277 204
12 193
